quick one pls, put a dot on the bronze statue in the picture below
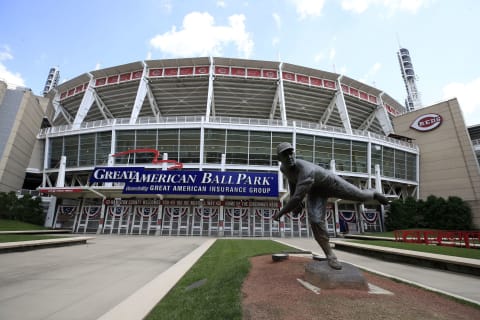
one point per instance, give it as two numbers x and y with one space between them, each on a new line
318 184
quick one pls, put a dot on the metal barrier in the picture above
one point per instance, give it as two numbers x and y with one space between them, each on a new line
454 238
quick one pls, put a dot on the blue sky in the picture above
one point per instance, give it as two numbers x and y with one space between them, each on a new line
358 38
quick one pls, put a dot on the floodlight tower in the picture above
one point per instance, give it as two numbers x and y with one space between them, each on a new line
412 101
52 80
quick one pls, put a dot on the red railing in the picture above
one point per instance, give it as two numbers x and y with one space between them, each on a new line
467 239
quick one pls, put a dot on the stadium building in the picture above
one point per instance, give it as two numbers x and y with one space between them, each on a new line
188 147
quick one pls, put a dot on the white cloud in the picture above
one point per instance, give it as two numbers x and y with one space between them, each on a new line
278 20
200 36
332 54
360 6
306 8
12 79
98 66
221 4
371 72
468 95
166 5
275 41
318 57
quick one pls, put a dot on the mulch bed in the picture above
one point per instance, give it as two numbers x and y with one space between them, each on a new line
272 291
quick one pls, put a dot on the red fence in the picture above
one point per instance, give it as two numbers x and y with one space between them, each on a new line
467 239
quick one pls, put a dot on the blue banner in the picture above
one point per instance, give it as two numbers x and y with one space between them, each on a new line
150 181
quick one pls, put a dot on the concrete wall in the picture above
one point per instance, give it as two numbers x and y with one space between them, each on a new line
20 121
448 166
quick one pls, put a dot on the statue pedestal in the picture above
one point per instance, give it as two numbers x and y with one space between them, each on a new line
321 275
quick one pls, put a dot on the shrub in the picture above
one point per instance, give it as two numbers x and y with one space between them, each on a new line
26 208
433 213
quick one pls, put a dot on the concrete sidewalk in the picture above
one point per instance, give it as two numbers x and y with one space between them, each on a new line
89 281
461 286
123 277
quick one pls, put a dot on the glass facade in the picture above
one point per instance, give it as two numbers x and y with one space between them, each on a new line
394 163
81 150
241 147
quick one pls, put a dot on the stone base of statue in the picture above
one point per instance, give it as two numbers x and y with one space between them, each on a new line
319 274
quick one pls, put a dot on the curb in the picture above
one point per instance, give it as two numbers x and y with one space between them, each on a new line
7 247
141 302
424 259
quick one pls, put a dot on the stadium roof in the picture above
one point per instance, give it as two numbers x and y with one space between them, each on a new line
222 87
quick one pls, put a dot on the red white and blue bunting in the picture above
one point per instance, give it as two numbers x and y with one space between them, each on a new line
67 210
236 213
92 211
300 216
370 216
348 216
146 212
118 211
176 212
329 214
206 212
266 214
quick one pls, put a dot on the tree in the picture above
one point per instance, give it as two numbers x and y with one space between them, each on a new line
26 208
433 213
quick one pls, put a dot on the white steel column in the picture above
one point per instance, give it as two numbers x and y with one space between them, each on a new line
59 109
281 96
141 94
61 172
378 188
202 144
86 104
342 107
210 100
382 116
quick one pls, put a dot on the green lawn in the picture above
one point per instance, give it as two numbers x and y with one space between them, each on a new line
24 237
14 225
223 268
388 234
450 251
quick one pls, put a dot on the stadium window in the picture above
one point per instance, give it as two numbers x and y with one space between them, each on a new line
56 152
71 145
87 152
214 145
237 147
304 147
323 151
376 158
359 156
189 150
259 148
411 166
278 137
388 162
168 142
125 140
103 147
342 154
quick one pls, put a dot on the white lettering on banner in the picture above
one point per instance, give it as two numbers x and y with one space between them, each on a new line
242 178
159 187
209 178
259 190
190 188
227 189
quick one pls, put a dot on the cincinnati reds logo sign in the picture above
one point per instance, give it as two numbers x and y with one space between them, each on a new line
427 122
